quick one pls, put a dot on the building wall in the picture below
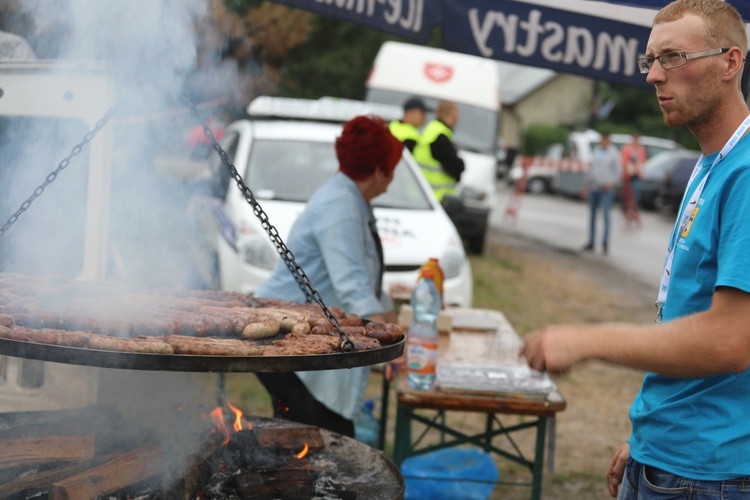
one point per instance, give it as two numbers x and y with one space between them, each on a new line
564 100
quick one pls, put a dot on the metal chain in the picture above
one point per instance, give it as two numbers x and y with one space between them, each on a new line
62 165
287 256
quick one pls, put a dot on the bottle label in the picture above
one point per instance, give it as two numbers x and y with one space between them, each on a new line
421 356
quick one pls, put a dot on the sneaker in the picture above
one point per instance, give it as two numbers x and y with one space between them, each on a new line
588 248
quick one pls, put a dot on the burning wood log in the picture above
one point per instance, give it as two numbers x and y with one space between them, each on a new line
293 438
276 484
36 450
129 468
43 479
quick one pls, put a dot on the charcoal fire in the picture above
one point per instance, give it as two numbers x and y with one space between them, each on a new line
261 459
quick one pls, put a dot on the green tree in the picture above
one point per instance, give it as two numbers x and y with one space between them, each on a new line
637 110
309 57
335 61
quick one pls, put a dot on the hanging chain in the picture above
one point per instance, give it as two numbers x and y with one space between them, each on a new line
63 164
287 256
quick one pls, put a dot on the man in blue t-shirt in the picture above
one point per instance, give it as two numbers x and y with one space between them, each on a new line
691 437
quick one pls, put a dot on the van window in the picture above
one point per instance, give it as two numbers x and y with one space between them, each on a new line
476 129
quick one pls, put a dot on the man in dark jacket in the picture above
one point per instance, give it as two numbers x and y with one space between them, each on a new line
436 153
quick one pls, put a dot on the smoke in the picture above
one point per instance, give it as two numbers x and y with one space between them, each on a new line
133 173
151 50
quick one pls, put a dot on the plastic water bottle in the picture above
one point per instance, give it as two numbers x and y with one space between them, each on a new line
423 337
366 425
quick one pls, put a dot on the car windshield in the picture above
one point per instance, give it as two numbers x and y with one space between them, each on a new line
476 129
290 170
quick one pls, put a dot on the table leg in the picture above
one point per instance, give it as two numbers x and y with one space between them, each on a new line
536 486
402 441
384 397
488 432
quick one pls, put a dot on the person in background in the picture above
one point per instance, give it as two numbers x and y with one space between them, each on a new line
690 437
437 154
335 241
633 156
599 188
407 128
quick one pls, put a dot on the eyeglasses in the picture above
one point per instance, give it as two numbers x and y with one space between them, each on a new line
676 59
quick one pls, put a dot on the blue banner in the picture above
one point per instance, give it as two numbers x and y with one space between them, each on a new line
410 19
547 38
519 32
742 6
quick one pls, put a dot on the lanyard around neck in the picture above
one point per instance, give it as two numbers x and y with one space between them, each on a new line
689 210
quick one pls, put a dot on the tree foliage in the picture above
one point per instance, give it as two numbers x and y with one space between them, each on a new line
637 110
301 54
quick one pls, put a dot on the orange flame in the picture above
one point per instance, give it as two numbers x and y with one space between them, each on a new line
217 417
304 451
237 416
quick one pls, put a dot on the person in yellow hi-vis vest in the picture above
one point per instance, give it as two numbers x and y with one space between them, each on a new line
407 128
436 153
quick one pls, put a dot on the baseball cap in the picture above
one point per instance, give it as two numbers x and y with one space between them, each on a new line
415 103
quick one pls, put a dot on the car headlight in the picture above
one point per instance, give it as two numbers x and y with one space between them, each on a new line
453 259
257 251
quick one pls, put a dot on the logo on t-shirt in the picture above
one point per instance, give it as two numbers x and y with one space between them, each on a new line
689 223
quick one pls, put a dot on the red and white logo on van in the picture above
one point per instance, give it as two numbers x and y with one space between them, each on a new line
438 73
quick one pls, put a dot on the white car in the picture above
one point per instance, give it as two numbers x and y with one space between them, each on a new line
283 161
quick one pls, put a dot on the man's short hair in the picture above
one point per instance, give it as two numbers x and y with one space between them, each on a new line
415 103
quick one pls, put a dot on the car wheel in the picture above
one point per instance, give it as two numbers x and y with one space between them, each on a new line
537 185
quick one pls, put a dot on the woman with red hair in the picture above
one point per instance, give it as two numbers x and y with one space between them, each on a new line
335 242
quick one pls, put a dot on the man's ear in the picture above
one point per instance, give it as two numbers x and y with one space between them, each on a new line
735 64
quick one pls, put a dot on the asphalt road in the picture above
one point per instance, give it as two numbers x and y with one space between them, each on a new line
563 223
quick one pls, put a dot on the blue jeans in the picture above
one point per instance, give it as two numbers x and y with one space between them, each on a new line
642 482
596 198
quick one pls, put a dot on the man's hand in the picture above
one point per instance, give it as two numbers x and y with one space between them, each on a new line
554 348
617 469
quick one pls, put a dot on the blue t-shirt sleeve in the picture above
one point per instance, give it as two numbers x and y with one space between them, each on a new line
734 233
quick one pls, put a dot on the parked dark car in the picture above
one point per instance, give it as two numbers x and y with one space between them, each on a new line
665 176
674 185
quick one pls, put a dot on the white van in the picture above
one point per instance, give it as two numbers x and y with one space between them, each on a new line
403 70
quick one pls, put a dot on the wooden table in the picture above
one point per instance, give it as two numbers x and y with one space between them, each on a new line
480 337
